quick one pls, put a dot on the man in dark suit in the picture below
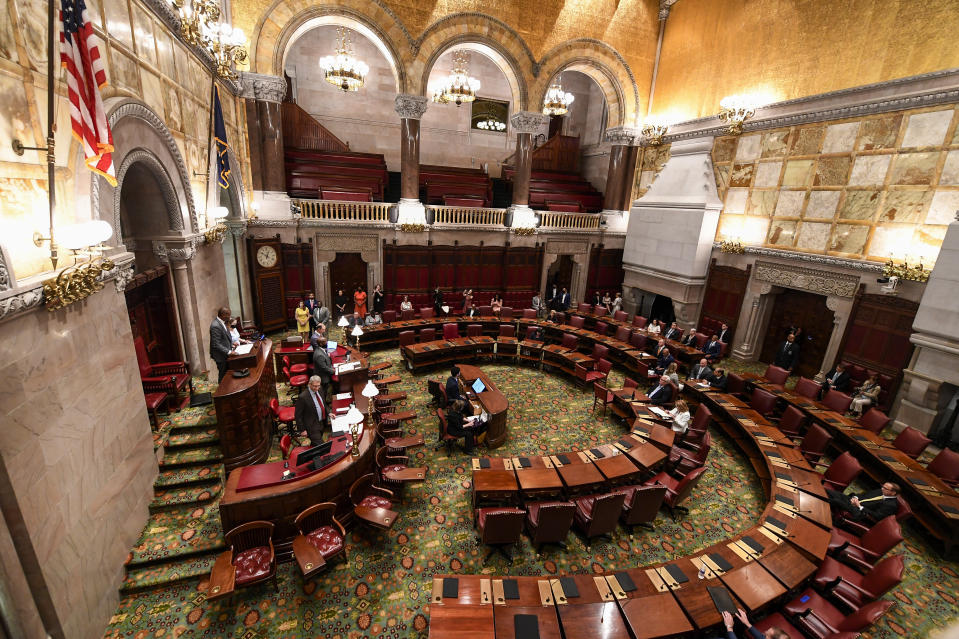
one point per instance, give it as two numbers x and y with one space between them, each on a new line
837 379
787 353
724 334
718 379
453 385
563 301
665 359
871 506
662 394
437 300
674 332
701 370
311 306
713 349
322 364
552 297
472 311
221 344
690 338
311 413
660 347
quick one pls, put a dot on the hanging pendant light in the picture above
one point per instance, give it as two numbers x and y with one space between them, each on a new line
342 69
458 87
557 101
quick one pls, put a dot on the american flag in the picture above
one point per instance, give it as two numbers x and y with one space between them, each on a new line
80 56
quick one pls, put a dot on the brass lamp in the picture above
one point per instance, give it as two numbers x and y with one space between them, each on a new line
83 278
354 418
357 333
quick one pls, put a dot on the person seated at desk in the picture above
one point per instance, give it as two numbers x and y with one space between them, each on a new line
866 395
724 333
836 379
664 360
662 394
771 633
701 370
536 304
654 328
460 424
689 339
660 347
235 334
406 304
674 332
718 379
373 319
311 413
871 506
472 311
453 385
672 372
713 349
607 301
617 304
497 304
680 415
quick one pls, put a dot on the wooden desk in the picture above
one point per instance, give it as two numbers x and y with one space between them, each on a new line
669 618
530 602
593 613
618 469
468 616
753 584
243 419
379 517
494 485
581 478
538 483
647 456
788 565
493 402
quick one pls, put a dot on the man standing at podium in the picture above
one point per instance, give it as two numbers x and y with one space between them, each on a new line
311 414
221 344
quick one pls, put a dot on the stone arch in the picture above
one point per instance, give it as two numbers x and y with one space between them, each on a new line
476 32
137 127
275 30
604 65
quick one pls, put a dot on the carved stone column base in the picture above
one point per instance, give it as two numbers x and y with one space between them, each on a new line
410 212
615 221
522 217
272 205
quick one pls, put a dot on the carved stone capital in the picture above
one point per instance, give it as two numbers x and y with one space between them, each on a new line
258 86
807 279
236 228
411 107
6 273
20 302
123 275
664 7
184 251
528 121
624 136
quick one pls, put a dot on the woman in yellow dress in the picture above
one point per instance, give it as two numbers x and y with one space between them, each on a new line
302 315
359 302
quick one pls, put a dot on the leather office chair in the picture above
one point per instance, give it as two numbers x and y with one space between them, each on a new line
677 490
507 330
392 438
451 330
602 328
287 449
251 559
548 522
283 415
792 421
295 382
623 333
684 461
506 312
427 312
641 504
841 472
903 514
364 493
532 331
576 321
808 388
597 515
437 390
642 371
639 321
444 439
639 341
599 352
874 420
485 310
295 369
629 382
620 316
763 402
735 384
585 308
839 402
819 619
945 466
600 374
815 442
407 315
474 330
601 394
599 310
570 342
407 338
529 313
499 528
701 419
911 442
694 440
776 375
862 552
855 590
319 532
427 335
389 317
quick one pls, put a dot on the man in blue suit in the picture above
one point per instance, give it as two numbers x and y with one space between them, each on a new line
665 359
713 349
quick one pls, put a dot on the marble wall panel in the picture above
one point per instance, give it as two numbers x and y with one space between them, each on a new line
860 205
950 169
808 140
153 92
742 175
748 148
724 149
832 171
165 53
767 174
171 105
790 203
905 206
33 29
880 132
943 207
798 173
822 204
813 236
15 120
775 144
840 138
8 44
143 34
118 22
848 238
889 239
762 203
736 200
914 168
870 170
927 129
781 233
125 71
721 173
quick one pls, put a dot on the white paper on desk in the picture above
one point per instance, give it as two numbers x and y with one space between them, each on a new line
652 374
343 396
660 412
244 349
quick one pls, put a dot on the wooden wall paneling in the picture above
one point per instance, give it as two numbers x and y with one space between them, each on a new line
723 299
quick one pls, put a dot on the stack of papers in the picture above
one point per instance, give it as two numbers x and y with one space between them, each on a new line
659 411
244 349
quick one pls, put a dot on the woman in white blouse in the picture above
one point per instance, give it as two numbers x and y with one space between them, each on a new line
406 305
654 328
680 416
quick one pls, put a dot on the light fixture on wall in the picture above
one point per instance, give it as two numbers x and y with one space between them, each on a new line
557 101
83 278
342 69
459 86
915 272
733 247
736 109
216 233
491 124
200 26
653 130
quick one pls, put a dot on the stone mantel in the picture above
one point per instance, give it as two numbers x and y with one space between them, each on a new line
803 278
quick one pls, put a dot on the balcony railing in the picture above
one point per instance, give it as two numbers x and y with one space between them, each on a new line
344 211
468 216
550 220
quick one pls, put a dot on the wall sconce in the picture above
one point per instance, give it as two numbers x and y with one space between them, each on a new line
217 231
82 279
736 109
905 271
734 247
254 207
654 130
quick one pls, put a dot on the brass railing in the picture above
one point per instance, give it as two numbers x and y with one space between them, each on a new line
560 220
345 211
468 216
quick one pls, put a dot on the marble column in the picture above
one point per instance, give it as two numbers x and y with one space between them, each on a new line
841 308
526 124
619 179
264 118
178 256
410 108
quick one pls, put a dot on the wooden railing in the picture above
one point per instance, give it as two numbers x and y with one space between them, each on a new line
344 211
578 221
302 131
468 216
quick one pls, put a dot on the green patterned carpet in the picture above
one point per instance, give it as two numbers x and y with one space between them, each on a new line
384 589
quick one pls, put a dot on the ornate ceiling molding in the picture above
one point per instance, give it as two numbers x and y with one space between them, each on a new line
825 260
624 136
827 283
411 107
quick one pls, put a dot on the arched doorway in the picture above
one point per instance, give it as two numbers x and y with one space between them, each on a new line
561 273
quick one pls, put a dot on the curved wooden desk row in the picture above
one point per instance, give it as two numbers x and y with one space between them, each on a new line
754 568
934 503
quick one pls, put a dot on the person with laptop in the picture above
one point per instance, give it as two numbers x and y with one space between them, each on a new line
459 423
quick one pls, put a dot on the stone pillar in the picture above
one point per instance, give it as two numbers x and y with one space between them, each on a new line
178 256
619 179
263 95
841 308
410 108
526 124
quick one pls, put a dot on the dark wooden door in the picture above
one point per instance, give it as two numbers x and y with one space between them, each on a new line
807 311
152 314
298 276
347 272
561 273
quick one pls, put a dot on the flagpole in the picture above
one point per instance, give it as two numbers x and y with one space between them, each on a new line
209 145
51 124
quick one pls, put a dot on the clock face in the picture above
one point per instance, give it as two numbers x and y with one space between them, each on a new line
266 256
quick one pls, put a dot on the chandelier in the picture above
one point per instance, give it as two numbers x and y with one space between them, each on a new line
200 27
459 87
342 69
491 124
557 101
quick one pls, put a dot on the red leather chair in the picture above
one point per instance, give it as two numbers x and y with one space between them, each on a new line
506 312
585 308
392 438
777 621
154 401
507 330
735 384
602 394
287 449
548 522
570 342
945 466
529 313
639 321
839 402
599 352
576 321
407 315
283 415
407 338
622 333
251 558
389 317
841 472
629 382
792 421
295 369
641 504
620 316
427 312
451 330
485 310
686 461
808 388
911 442
390 461
776 375
427 335
599 374
639 341
763 402
296 382
863 552
169 378
854 590
499 528
874 420
820 619
320 532
597 515
364 493
533 330
474 330
602 328
445 439
677 490
815 442
599 310
903 514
